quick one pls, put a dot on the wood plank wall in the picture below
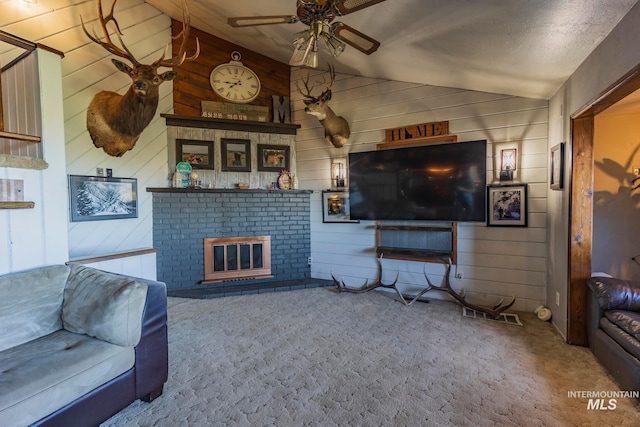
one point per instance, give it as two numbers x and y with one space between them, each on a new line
192 86
495 262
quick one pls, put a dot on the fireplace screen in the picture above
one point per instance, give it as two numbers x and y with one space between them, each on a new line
231 258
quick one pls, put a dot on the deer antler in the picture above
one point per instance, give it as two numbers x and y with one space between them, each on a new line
122 50
341 287
305 82
494 312
181 57
108 45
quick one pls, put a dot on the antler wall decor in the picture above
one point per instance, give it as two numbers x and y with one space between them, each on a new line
336 128
116 121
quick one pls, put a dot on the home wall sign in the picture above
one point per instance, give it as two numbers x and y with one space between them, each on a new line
416 132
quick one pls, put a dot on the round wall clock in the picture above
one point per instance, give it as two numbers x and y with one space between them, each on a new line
234 82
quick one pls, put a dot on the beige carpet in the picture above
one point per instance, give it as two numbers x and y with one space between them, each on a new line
316 358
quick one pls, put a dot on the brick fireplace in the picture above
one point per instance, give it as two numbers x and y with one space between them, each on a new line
183 218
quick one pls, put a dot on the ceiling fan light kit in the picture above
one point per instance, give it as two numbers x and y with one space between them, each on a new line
318 15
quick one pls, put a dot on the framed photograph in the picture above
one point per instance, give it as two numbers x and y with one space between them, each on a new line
556 180
273 158
507 205
236 155
94 198
199 154
335 207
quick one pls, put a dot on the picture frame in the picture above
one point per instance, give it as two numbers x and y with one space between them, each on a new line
273 158
556 176
236 155
335 207
507 205
95 198
199 154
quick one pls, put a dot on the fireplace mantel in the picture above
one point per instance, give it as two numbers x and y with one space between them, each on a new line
241 125
221 190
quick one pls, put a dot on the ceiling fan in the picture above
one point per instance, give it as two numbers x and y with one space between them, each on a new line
318 15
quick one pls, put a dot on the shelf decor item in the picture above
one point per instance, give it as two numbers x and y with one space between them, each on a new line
95 198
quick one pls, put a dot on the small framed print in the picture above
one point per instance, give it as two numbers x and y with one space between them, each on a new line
199 154
335 207
236 155
556 178
94 198
273 158
507 205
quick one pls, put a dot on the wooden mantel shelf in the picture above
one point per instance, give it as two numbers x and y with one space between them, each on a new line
220 190
225 124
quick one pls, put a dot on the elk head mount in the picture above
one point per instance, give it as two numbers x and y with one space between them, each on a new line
336 128
116 121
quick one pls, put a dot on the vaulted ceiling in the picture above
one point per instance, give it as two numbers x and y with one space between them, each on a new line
516 47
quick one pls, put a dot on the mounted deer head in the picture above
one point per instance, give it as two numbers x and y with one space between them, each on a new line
336 128
116 121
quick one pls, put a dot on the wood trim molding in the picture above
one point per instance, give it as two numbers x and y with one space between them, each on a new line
117 255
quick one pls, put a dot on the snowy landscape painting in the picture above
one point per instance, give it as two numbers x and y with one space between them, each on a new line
95 198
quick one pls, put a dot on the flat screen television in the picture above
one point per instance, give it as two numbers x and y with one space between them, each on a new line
444 182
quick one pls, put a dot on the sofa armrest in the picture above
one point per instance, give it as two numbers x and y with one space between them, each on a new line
152 358
615 294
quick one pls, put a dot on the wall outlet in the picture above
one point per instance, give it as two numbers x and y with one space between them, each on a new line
100 171
459 276
636 170
558 299
309 261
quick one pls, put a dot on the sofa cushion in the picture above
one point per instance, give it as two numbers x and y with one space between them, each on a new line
104 305
628 321
45 374
31 304
626 341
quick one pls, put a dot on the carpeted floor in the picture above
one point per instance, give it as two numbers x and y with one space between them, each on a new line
316 358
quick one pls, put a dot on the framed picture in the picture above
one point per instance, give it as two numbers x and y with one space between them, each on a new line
199 154
273 158
236 155
335 207
507 205
556 180
94 198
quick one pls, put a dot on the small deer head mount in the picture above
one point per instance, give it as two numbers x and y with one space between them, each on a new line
116 121
336 128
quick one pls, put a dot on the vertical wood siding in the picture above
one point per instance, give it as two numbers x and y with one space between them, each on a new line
86 70
495 262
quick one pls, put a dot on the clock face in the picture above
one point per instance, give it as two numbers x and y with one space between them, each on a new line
235 83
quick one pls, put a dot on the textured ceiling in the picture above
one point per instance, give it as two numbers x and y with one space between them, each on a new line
516 47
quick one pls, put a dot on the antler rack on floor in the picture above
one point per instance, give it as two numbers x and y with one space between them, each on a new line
494 312
341 287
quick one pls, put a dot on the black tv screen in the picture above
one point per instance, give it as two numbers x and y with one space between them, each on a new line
444 182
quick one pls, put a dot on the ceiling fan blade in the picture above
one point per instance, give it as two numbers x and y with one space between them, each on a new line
355 38
345 7
248 21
